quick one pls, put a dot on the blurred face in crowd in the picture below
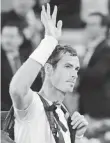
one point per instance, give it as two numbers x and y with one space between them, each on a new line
94 27
11 38
64 75
23 6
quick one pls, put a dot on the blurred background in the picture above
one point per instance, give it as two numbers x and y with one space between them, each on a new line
86 27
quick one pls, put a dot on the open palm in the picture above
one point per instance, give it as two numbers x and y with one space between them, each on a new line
49 22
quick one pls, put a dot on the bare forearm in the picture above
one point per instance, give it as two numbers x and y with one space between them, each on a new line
20 85
25 76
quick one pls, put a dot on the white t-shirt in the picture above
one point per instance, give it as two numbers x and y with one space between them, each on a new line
32 126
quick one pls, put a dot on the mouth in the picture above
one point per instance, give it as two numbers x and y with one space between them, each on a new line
71 81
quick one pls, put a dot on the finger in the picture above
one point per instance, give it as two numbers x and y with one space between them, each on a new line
85 123
75 120
44 19
59 25
78 123
75 114
48 11
44 14
43 8
54 15
82 130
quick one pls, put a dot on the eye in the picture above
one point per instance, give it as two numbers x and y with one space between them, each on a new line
68 66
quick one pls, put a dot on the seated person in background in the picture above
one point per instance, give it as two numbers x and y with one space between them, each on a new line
13 54
95 33
61 65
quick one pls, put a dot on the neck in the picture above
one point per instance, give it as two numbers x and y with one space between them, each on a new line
51 93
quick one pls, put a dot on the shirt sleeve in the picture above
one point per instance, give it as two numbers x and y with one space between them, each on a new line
32 112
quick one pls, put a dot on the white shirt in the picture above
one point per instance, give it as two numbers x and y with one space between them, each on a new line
32 126
91 48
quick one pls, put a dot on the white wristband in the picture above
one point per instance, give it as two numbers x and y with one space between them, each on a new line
44 50
79 137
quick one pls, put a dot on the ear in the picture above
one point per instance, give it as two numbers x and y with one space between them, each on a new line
48 69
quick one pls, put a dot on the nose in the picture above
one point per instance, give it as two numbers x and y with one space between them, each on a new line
74 74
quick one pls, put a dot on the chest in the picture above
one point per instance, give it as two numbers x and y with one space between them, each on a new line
39 130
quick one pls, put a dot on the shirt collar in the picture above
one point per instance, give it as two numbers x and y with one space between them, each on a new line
95 42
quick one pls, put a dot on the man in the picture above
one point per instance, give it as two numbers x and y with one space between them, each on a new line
95 78
95 35
31 124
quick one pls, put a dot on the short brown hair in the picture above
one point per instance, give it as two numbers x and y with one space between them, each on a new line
57 55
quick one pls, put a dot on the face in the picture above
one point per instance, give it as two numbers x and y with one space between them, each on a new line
23 6
93 26
64 75
11 39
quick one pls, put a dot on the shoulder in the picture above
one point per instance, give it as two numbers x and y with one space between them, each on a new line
37 100
33 111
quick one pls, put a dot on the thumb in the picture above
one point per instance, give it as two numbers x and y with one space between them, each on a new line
59 25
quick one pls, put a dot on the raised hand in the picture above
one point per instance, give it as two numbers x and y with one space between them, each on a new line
49 22
79 123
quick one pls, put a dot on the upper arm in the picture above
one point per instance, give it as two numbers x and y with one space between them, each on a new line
31 111
22 102
20 91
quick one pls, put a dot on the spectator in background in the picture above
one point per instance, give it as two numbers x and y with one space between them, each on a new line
13 54
12 39
23 14
94 82
95 35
